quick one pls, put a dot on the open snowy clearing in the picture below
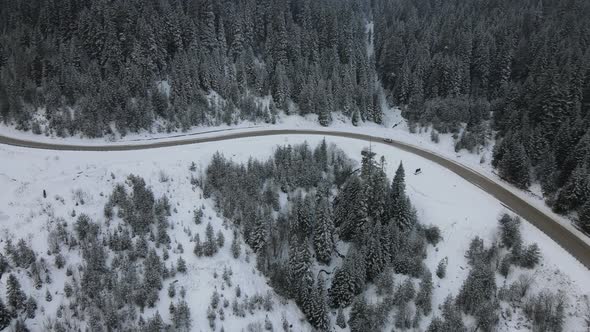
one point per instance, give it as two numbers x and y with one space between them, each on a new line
442 198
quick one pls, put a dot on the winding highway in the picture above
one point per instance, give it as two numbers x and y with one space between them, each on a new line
567 239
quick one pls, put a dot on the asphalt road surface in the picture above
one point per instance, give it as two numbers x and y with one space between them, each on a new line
560 234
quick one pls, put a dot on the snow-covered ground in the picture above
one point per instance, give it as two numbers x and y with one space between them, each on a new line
394 126
442 198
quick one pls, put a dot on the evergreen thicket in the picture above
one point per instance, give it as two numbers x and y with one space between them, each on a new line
519 68
94 64
325 209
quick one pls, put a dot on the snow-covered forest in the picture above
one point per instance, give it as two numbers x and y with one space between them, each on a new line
518 68
514 71
298 237
96 66
293 233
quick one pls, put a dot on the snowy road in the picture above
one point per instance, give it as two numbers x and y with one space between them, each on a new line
576 245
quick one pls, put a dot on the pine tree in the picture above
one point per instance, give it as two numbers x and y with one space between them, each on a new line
575 192
259 235
236 245
153 271
323 240
155 324
478 290
181 316
375 257
5 316
509 230
424 297
14 294
299 264
319 316
350 212
210 244
514 165
198 250
359 319
198 216
530 256
401 211
181 265
452 316
349 279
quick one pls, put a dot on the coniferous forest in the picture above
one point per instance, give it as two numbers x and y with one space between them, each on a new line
305 236
520 69
95 64
516 71
342 241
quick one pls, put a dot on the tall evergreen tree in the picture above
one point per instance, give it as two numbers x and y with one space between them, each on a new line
323 239
14 294
400 209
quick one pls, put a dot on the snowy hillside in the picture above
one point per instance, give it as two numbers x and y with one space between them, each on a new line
459 209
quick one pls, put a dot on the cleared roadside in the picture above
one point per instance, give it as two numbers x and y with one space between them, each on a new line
570 241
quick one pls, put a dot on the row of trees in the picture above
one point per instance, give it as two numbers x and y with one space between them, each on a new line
520 68
93 63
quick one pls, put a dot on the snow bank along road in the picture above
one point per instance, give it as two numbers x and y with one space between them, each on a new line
570 241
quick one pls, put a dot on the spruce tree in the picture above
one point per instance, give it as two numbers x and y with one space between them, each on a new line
349 279
5 316
14 294
350 213
360 317
509 230
210 244
299 264
530 256
452 316
400 209
235 246
515 165
375 257
181 265
478 290
323 240
424 297
319 317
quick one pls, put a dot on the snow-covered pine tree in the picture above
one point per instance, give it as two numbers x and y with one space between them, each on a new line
299 264
375 257
236 245
349 279
424 297
14 294
323 239
360 316
319 317
401 211
210 244
5 316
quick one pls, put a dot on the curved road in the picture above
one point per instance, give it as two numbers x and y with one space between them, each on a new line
559 233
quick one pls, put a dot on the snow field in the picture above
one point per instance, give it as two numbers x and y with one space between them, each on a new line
441 198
